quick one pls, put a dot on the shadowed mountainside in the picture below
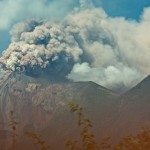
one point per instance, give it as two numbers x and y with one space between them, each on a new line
134 111
39 104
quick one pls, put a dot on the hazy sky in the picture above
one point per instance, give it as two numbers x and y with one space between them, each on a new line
131 9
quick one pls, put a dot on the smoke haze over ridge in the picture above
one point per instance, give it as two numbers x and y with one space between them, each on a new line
87 45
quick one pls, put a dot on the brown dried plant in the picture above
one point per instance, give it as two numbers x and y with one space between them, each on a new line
37 139
13 125
87 141
87 138
141 141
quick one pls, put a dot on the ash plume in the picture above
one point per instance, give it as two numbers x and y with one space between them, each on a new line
87 45
38 47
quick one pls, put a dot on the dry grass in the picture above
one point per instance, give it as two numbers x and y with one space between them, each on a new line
87 139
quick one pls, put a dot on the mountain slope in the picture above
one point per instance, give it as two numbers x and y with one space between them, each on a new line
134 111
40 104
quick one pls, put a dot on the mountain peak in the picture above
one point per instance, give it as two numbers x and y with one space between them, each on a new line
145 83
141 89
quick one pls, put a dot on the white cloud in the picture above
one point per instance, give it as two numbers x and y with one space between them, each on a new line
112 77
119 48
15 10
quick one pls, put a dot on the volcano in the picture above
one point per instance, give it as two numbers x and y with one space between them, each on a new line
40 104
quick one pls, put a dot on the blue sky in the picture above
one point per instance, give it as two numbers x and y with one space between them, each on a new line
130 9
126 8
4 40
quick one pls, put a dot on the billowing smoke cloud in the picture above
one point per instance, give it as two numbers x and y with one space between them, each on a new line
87 45
39 46
119 49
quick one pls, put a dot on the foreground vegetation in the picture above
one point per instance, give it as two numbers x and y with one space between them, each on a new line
87 141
